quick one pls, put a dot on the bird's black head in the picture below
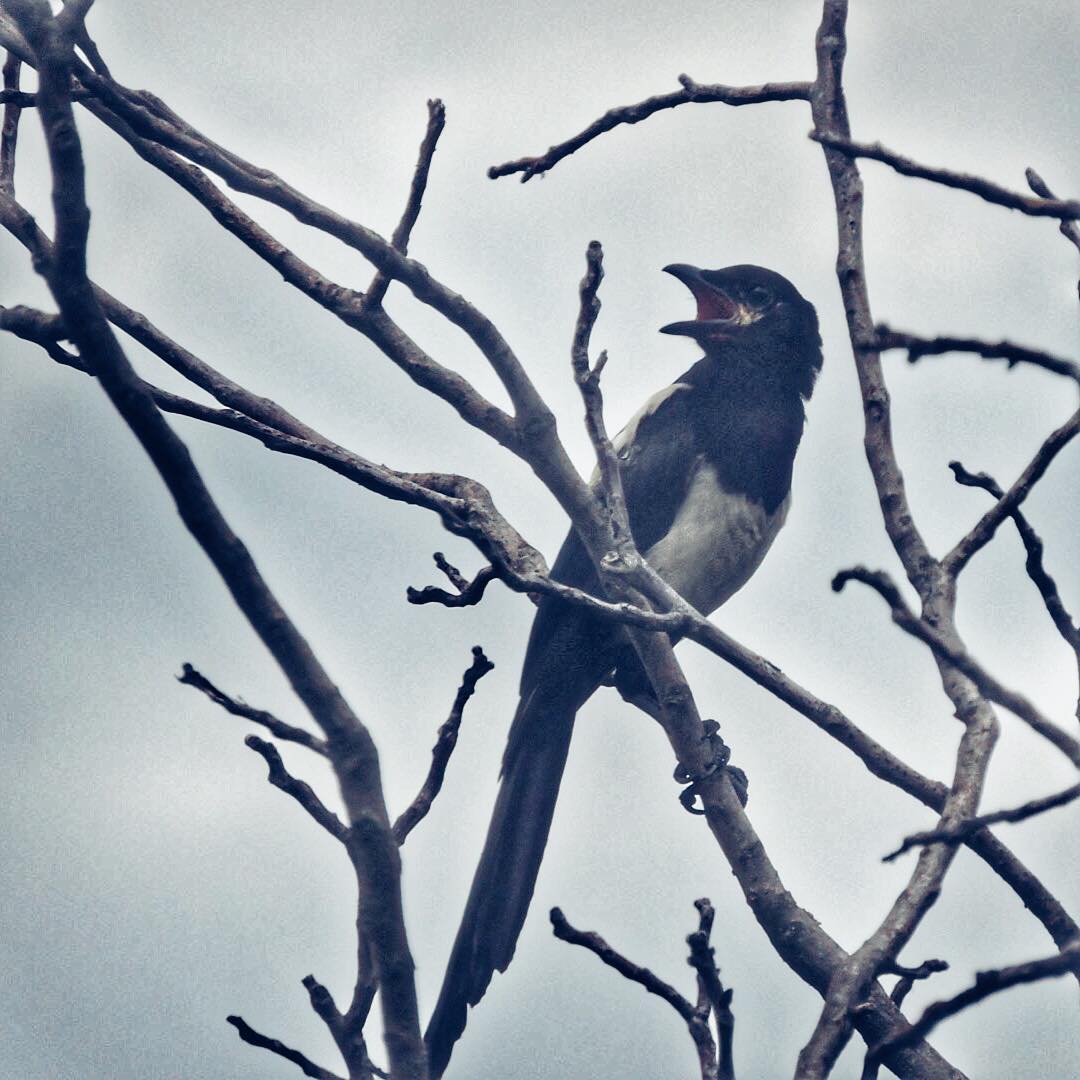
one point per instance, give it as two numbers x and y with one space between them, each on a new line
755 312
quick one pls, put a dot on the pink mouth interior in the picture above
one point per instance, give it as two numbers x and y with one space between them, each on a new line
712 304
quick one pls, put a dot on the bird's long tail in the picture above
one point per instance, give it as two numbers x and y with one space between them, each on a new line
503 885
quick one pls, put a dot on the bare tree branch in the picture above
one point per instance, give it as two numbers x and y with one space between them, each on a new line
276 1046
918 347
400 240
910 975
82 36
696 1019
983 531
986 983
23 100
1068 229
1065 209
469 593
345 304
444 747
14 103
850 979
23 227
958 658
539 445
278 728
711 992
281 778
691 92
959 833
587 377
1033 546
351 1043
683 620
42 329
143 126
349 743
898 994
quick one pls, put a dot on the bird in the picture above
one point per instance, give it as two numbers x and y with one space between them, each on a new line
706 469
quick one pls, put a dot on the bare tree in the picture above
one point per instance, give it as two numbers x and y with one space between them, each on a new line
80 334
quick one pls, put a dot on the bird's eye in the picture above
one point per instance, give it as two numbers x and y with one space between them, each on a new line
759 296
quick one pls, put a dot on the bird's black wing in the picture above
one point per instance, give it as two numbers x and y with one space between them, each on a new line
656 450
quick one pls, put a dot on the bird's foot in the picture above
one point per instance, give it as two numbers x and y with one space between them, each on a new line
720 755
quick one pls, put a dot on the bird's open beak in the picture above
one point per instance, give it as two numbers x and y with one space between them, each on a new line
717 313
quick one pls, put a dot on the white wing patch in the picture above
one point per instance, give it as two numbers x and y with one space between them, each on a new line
629 433
716 541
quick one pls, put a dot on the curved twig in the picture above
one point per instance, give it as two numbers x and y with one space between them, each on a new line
691 93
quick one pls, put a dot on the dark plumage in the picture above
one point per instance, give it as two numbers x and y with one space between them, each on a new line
707 475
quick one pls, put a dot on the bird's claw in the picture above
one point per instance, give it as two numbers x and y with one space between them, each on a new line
720 755
718 750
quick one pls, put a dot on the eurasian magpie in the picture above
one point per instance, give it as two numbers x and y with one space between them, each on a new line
706 471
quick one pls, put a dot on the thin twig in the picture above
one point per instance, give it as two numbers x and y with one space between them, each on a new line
904 985
1069 229
986 983
470 594
276 1046
958 833
23 227
918 347
711 992
643 976
373 297
23 100
444 747
281 778
352 1045
691 93
696 1020
82 37
457 578
958 658
142 125
898 994
276 727
43 329
587 377
339 301
1036 570
909 976
1065 209
983 530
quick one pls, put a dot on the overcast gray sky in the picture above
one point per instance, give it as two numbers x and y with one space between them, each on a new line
154 882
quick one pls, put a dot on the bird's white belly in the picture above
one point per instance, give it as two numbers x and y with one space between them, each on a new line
716 542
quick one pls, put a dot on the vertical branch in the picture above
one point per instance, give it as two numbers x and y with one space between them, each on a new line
936 587
400 240
9 135
829 110
350 745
